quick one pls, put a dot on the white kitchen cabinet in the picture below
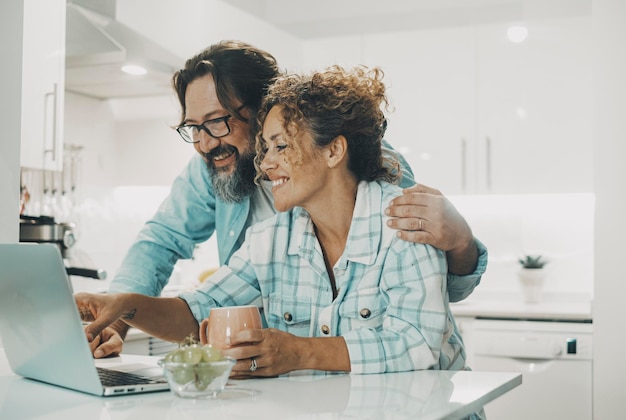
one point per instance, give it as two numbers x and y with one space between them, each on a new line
430 79
477 113
534 107
545 353
43 84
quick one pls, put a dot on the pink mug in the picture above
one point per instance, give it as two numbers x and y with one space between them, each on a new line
227 321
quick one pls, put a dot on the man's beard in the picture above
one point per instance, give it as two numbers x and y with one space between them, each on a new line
232 187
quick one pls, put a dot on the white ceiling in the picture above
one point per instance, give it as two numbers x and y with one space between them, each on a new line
325 18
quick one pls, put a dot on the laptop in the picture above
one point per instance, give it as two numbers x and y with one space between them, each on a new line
42 332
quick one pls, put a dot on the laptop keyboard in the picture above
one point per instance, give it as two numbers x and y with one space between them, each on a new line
110 377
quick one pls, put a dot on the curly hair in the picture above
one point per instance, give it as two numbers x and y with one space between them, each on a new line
331 103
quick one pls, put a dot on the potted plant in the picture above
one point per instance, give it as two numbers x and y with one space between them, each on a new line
532 276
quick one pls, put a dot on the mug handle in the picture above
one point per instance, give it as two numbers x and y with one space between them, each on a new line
204 335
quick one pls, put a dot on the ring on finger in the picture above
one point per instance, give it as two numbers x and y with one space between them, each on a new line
420 225
253 365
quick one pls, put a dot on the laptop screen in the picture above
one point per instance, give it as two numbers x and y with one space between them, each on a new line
41 329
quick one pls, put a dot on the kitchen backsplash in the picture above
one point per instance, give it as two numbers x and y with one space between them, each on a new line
110 220
558 226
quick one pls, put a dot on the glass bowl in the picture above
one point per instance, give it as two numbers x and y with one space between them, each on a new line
198 380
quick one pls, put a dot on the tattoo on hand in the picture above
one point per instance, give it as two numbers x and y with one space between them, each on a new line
131 314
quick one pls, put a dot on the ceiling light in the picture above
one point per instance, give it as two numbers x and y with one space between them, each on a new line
134 69
517 33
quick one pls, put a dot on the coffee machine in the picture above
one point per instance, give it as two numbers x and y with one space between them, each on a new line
44 229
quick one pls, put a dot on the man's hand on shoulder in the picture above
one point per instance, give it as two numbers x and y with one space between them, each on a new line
424 215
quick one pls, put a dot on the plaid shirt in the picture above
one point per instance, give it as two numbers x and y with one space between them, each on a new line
392 304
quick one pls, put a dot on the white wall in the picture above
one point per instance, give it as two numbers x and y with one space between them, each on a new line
609 363
148 150
10 118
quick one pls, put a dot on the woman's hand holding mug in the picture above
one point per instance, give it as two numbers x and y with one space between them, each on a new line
225 322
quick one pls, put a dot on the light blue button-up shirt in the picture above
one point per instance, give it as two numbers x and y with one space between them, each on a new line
192 213
392 303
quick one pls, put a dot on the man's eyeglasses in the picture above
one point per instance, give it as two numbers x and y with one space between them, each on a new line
216 128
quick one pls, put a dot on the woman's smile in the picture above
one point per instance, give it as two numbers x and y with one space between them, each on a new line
277 183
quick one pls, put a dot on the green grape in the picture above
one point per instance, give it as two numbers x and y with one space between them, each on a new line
192 354
200 384
211 354
183 374
189 364
175 356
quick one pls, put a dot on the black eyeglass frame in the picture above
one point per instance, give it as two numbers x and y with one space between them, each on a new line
203 127
225 118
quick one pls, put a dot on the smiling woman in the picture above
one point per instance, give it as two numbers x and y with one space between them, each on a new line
320 145
328 145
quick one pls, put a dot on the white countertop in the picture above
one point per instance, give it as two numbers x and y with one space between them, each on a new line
511 306
405 395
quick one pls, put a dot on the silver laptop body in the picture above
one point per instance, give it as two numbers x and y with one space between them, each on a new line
41 329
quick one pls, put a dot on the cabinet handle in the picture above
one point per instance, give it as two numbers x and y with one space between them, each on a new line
463 165
488 162
52 94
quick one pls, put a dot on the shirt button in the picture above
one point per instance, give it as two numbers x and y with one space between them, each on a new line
325 329
365 313
231 233
288 317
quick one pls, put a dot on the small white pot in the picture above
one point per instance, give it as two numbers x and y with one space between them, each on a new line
531 280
